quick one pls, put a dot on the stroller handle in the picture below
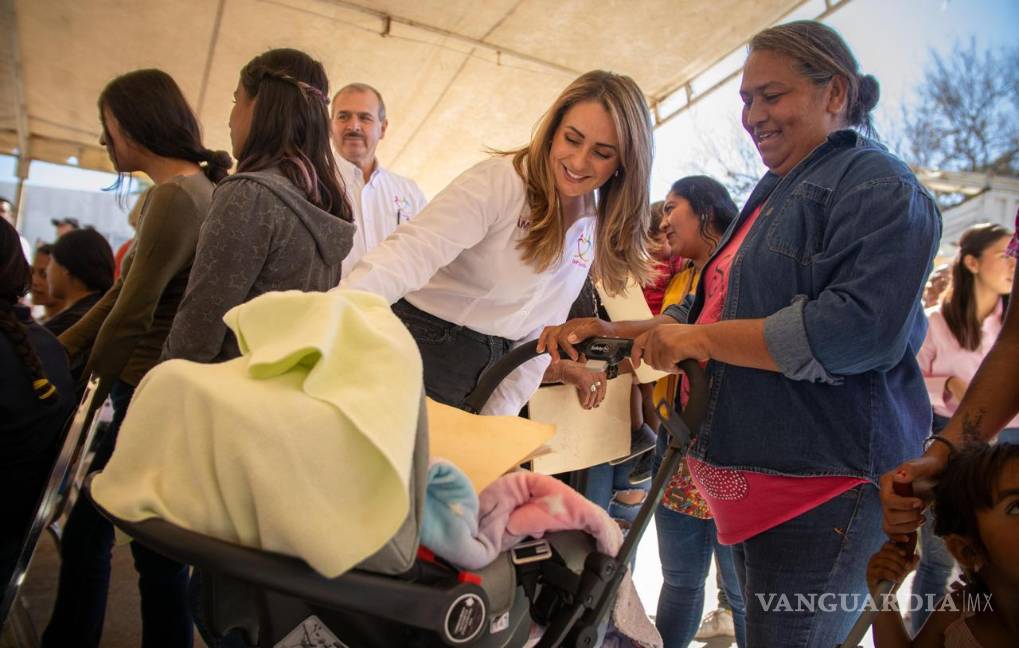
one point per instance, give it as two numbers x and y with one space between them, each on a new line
612 351
495 374
578 626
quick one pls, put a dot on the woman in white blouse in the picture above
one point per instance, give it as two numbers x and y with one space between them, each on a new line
503 251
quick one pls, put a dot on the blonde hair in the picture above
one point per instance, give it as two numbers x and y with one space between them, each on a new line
624 220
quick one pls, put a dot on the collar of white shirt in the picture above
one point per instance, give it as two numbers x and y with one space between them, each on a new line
351 171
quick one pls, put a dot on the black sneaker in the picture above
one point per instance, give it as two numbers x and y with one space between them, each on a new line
642 470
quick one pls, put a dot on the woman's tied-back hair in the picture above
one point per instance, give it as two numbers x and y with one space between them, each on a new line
820 55
152 111
15 280
959 306
87 256
970 484
711 202
624 219
290 126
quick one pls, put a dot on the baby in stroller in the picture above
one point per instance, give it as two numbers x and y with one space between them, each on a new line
223 494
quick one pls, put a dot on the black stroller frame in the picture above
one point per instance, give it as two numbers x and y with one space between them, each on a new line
268 598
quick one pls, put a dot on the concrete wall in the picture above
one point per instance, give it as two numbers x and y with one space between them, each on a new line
100 209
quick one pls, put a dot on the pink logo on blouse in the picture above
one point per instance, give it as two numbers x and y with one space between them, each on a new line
720 483
582 255
524 219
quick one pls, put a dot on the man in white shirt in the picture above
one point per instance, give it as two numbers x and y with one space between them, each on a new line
381 199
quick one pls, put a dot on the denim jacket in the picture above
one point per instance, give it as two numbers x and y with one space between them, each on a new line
835 265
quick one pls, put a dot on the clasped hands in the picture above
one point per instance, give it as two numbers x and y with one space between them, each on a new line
663 347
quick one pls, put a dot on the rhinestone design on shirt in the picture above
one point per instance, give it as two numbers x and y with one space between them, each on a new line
720 483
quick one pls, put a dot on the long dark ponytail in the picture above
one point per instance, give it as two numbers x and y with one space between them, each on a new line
15 280
151 109
290 126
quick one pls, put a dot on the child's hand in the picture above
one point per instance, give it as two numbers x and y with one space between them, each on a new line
889 564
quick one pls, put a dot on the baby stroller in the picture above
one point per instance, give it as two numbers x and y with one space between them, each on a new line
560 581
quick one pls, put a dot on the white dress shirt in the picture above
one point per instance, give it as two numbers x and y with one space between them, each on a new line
379 205
458 261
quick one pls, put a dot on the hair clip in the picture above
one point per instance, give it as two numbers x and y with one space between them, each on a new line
305 87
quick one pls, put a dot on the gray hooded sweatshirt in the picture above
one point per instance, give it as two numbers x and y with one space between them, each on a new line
261 235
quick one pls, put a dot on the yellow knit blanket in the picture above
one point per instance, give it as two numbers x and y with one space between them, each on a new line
302 446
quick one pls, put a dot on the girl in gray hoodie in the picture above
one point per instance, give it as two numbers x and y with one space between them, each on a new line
283 221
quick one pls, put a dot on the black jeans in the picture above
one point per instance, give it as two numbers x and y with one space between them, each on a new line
454 357
85 556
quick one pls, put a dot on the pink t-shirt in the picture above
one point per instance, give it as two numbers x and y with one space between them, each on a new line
745 503
941 358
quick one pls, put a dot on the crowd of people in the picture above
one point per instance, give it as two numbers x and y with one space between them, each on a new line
828 380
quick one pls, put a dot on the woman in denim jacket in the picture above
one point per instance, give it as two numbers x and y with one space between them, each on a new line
811 331
809 319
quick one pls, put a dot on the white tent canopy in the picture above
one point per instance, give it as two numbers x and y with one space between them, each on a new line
458 76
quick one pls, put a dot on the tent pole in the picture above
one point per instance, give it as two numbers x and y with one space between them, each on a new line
19 192
14 49
7 10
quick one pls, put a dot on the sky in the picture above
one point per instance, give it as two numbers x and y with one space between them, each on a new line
892 40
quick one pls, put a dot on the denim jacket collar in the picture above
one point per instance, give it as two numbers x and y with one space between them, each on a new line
837 140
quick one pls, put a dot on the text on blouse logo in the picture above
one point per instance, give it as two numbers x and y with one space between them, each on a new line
582 257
